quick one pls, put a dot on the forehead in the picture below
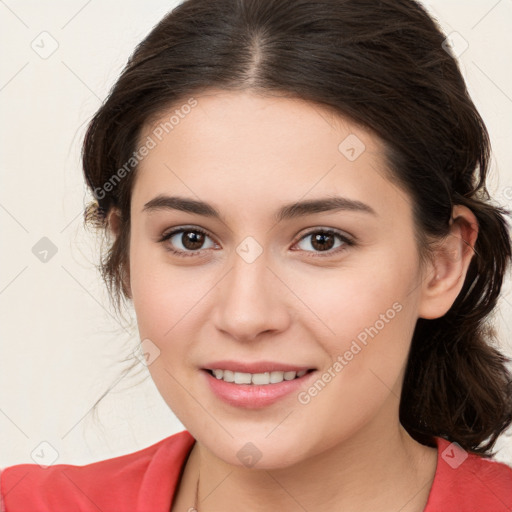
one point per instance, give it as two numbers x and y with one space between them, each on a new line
243 148
241 113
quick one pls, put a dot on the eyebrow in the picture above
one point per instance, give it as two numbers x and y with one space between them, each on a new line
289 211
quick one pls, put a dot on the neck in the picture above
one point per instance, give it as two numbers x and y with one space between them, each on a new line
366 473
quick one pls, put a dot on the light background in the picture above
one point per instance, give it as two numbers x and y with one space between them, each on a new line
60 342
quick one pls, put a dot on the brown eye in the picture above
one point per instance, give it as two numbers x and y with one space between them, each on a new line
323 241
186 241
192 240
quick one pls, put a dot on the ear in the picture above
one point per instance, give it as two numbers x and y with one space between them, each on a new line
445 275
114 223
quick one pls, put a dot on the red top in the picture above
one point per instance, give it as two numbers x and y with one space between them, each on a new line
146 480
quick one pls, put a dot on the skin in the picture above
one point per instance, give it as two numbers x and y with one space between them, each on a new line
248 155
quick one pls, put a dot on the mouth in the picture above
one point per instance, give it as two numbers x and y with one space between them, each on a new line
255 385
257 379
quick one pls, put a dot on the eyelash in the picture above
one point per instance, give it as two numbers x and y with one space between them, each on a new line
347 242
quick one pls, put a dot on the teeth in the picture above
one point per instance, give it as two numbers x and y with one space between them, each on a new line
260 378
276 377
228 376
242 378
257 379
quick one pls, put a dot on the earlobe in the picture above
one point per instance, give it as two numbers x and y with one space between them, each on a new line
447 271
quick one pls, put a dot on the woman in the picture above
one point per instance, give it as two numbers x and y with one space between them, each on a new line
296 191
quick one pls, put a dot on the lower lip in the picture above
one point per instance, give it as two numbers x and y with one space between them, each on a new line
251 396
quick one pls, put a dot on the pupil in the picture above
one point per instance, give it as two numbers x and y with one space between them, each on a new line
193 240
320 239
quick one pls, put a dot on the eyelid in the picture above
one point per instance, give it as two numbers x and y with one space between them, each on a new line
333 231
172 231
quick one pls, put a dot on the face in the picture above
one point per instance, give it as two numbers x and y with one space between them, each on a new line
257 285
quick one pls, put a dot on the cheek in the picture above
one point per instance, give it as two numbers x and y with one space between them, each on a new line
169 304
348 300
162 294
364 319
165 301
373 320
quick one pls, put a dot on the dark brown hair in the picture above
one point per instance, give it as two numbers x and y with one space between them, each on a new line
383 65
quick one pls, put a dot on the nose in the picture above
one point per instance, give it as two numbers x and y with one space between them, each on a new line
251 300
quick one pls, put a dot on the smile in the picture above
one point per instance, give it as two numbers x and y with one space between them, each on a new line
265 385
258 379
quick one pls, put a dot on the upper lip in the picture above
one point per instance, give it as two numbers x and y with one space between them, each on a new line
255 367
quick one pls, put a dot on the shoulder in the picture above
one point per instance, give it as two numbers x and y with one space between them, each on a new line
466 482
144 480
